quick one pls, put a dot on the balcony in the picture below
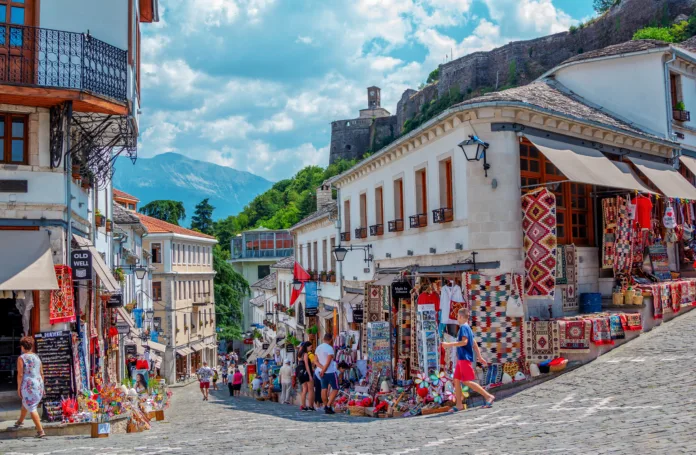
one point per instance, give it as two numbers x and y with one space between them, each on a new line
201 299
418 221
376 229
443 215
39 57
361 233
345 236
395 225
681 115
271 253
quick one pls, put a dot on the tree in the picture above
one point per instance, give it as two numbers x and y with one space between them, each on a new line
165 210
602 6
434 75
202 219
230 290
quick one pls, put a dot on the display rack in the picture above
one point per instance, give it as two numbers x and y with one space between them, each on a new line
428 346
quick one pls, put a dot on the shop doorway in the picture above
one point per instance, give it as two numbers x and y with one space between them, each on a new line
10 334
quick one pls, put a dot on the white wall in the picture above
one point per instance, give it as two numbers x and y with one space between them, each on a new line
106 20
632 87
317 235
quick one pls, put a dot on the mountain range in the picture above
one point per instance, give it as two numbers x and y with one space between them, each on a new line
177 177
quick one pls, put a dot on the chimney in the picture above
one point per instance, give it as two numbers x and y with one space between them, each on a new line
324 195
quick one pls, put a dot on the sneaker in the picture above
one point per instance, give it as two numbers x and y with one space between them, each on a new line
329 410
311 409
302 408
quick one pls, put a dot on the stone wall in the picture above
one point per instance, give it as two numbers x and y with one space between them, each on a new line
352 138
530 59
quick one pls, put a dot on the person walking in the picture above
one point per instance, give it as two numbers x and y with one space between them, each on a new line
328 374
464 371
224 373
264 370
285 374
237 378
303 372
204 374
30 384
215 378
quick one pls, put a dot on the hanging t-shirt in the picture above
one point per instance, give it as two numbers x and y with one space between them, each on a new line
449 294
429 299
644 207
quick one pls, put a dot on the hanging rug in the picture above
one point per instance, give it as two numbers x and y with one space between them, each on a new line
539 227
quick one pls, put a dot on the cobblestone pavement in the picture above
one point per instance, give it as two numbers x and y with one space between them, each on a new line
638 399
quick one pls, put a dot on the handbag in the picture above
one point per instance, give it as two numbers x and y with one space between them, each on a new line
514 302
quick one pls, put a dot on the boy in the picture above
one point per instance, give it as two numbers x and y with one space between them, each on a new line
464 371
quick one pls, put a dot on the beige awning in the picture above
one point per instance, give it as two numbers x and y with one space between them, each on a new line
184 351
105 276
197 346
27 263
689 162
589 166
670 182
385 280
156 346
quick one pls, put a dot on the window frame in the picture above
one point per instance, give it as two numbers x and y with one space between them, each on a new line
157 295
7 138
155 256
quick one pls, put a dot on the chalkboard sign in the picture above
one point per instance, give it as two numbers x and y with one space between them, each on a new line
401 290
55 351
358 316
81 264
115 301
289 347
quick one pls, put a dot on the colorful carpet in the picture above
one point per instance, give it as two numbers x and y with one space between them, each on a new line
601 331
539 227
574 335
640 239
62 304
561 276
374 307
494 374
609 234
499 336
569 290
631 322
675 292
623 247
616 327
541 340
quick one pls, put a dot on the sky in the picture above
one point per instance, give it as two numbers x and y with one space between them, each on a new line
254 84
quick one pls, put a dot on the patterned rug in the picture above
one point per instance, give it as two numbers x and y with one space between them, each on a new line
601 331
623 247
640 239
616 327
494 374
539 227
609 234
631 322
499 336
569 290
575 335
541 340
561 276
675 291
62 304
374 311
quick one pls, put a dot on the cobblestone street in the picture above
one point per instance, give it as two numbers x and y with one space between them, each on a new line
639 398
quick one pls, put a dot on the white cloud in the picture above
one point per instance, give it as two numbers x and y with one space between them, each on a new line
529 17
159 138
378 63
201 14
279 122
232 127
304 40
175 75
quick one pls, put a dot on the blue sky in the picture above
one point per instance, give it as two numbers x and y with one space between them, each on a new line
254 84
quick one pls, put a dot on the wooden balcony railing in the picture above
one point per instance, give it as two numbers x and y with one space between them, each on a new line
418 221
443 215
395 225
360 233
376 229
345 236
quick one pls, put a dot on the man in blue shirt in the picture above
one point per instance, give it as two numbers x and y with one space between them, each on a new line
464 371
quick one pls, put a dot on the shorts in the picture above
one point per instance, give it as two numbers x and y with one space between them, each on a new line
205 385
236 387
317 389
303 377
329 379
464 371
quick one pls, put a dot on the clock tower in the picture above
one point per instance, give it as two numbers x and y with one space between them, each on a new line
373 97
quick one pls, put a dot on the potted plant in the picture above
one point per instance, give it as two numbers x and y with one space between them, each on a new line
313 330
291 312
257 335
119 275
109 225
323 276
99 218
130 306
332 276
76 171
680 106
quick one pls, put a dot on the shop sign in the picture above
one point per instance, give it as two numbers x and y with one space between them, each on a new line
358 316
289 347
81 264
401 290
311 299
122 328
265 346
131 350
115 301
248 341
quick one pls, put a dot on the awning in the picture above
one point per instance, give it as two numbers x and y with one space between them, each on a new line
325 314
105 276
385 280
156 346
124 316
666 179
27 263
197 346
585 165
258 300
184 351
689 162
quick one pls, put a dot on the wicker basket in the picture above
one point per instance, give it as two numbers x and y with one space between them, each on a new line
617 298
356 411
628 296
560 367
638 299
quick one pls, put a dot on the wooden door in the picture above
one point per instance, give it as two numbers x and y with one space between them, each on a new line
17 41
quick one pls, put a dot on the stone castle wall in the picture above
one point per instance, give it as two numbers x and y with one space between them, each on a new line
351 139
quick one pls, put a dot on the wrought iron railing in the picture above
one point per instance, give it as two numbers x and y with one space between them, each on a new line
54 58
419 220
277 253
443 215
360 233
396 225
345 236
376 229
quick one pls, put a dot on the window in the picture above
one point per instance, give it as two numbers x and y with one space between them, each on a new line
379 206
363 210
190 289
323 255
574 218
315 260
421 192
156 253
263 271
675 89
199 259
156 291
346 216
309 256
13 136
131 206
333 258
446 195
399 199
189 256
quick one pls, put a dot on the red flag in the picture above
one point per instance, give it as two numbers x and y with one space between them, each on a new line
301 275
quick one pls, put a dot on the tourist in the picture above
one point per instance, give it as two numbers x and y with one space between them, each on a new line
256 385
237 378
30 385
464 371
302 373
317 382
224 374
328 374
264 370
204 374
285 382
215 378
274 388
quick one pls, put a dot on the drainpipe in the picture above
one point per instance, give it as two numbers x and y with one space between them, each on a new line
668 96
68 181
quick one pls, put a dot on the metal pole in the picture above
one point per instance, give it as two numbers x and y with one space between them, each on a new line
340 263
68 181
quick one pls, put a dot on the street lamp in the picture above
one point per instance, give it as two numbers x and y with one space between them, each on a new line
150 314
340 252
481 148
140 272
297 284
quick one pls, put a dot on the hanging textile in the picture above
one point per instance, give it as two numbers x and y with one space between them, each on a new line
623 252
568 290
561 275
77 369
541 340
616 327
609 234
499 337
62 305
374 301
539 227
